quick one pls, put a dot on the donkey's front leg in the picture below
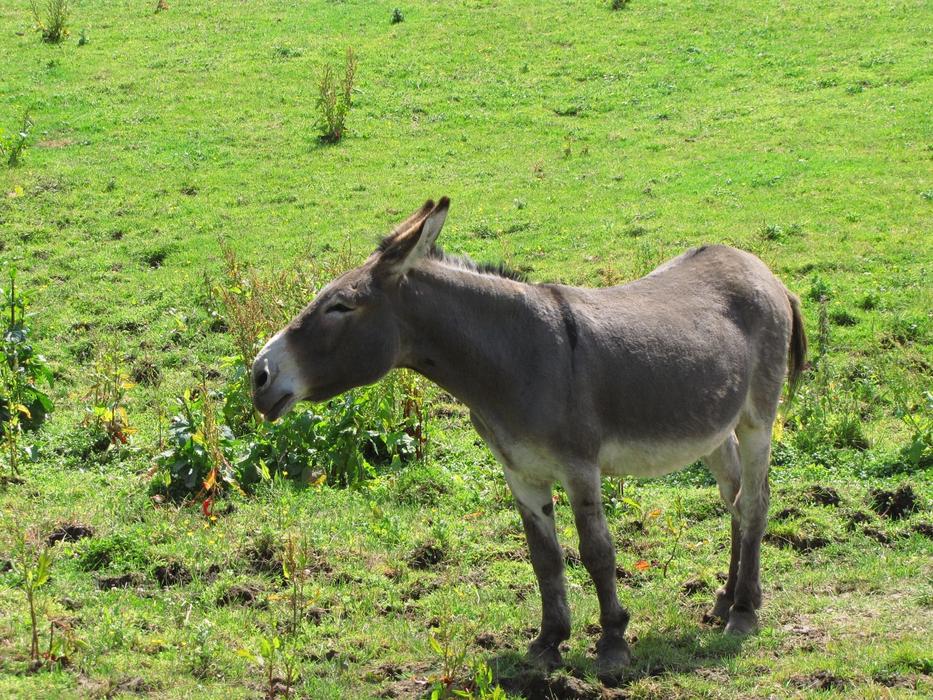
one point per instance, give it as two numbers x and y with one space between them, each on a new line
599 558
537 511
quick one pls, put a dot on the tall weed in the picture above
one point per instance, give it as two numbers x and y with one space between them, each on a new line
335 98
23 405
51 19
13 145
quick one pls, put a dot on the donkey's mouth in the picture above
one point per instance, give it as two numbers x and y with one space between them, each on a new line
280 408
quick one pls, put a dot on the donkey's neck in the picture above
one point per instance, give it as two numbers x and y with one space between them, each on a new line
469 332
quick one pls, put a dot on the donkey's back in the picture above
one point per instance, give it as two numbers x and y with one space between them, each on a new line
667 366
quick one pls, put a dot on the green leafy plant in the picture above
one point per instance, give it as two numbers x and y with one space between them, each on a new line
63 642
452 651
33 567
13 145
23 406
51 19
295 570
272 653
201 649
917 417
335 98
106 400
397 16
198 456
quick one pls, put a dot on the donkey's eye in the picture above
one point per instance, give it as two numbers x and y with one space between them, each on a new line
338 308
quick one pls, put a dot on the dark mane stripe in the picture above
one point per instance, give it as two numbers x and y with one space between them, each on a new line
464 262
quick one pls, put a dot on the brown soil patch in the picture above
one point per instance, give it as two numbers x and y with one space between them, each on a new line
787 513
55 143
896 504
248 594
533 684
803 637
426 556
172 574
490 641
69 532
820 680
126 580
876 534
694 585
822 495
796 541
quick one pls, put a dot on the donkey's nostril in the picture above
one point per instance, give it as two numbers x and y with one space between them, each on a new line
261 379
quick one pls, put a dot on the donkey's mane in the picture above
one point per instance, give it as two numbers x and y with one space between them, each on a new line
462 262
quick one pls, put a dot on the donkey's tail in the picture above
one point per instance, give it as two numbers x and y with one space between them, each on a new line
798 347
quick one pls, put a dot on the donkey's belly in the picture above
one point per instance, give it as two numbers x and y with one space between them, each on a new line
645 458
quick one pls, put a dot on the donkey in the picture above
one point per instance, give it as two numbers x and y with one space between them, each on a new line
567 384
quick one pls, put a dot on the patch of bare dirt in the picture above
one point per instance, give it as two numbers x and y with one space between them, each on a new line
695 585
896 680
876 534
411 682
127 580
419 589
534 684
820 680
787 513
858 517
247 594
211 572
316 615
925 529
426 556
490 641
55 143
803 637
69 532
796 541
173 573
822 495
897 504
262 557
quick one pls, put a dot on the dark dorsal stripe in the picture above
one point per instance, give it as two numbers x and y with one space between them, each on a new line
570 322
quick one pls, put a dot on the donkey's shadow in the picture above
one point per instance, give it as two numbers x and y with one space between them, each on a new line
653 654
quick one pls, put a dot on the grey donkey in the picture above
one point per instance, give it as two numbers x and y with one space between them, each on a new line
567 384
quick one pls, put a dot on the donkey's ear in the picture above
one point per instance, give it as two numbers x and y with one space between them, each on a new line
405 248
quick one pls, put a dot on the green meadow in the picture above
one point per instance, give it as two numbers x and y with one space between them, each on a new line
174 155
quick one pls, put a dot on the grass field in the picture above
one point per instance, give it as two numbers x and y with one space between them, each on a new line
577 144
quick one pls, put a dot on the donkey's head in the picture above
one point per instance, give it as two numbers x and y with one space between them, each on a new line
349 335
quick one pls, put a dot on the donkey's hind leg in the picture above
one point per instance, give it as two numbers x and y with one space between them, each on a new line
547 559
752 503
599 558
725 466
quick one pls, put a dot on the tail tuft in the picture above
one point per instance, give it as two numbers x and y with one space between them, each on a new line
798 347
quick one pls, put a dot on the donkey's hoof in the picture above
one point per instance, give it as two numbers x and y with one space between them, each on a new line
741 622
545 657
721 609
612 657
